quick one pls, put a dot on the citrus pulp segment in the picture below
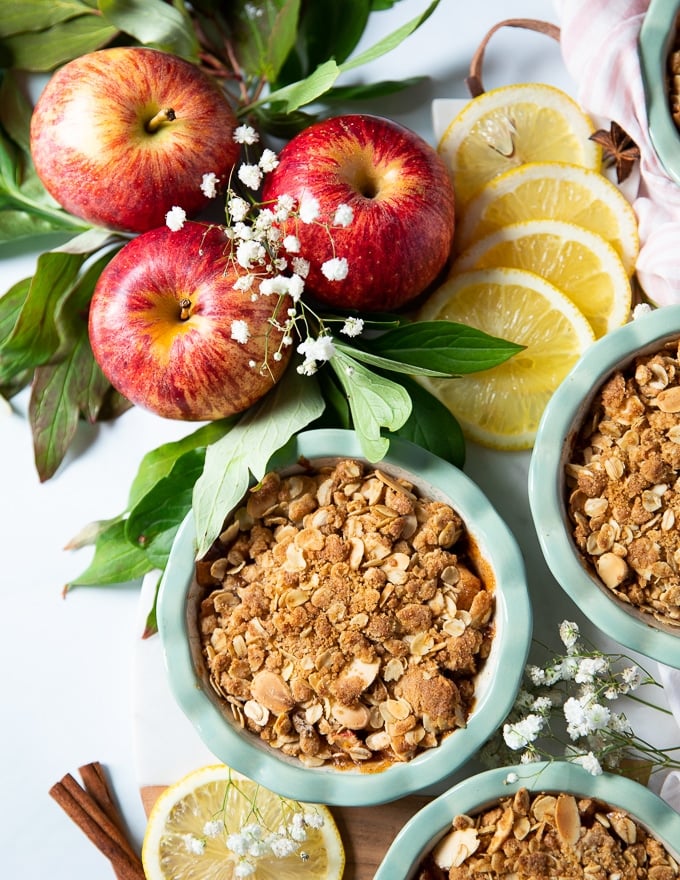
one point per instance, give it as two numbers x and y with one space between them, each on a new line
511 125
501 407
553 191
187 831
578 262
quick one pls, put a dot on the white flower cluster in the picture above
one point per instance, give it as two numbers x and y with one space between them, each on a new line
255 841
270 264
568 702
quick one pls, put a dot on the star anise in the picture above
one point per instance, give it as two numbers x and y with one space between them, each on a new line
618 149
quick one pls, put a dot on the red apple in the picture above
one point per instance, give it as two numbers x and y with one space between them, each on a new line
402 200
161 321
119 136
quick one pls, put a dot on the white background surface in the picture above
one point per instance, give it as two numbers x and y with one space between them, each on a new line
69 665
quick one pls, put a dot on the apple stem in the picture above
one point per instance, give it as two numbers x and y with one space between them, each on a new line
184 309
167 114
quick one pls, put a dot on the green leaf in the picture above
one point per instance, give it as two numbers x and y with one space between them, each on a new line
36 15
153 23
375 403
42 51
34 337
383 363
290 406
159 462
115 561
391 41
369 91
296 95
15 111
89 533
59 393
332 29
164 507
451 348
264 40
432 426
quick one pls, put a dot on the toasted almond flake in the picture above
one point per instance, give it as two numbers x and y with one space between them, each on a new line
567 819
453 849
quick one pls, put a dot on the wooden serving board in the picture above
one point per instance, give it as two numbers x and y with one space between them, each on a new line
366 832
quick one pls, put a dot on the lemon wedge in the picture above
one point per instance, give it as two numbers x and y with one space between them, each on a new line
213 819
511 125
553 191
501 407
578 262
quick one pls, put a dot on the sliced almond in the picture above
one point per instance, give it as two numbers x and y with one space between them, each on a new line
567 819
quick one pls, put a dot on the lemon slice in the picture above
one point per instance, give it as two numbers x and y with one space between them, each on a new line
578 262
195 823
553 191
501 407
511 125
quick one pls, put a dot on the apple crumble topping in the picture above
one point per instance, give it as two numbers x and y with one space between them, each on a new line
346 616
536 836
624 486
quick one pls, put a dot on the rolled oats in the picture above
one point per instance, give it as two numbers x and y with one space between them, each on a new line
623 481
535 837
344 618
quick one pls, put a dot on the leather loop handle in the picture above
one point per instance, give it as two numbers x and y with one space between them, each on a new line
474 80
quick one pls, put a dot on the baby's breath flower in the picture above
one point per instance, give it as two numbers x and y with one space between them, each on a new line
300 266
640 310
244 868
284 206
237 208
542 705
309 209
175 218
313 819
209 185
213 828
566 697
519 735
245 134
335 269
240 331
511 778
589 762
536 674
353 327
248 253
295 287
244 282
291 243
631 679
268 160
194 845
283 846
250 176
343 215
589 668
265 218
569 633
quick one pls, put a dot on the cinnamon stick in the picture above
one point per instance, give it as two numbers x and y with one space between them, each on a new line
105 833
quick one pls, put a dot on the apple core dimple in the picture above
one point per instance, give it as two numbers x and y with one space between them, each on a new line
184 309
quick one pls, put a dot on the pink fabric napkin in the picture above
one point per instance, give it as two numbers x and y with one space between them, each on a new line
599 47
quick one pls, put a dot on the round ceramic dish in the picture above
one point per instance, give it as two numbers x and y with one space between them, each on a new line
496 684
557 430
429 825
656 37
